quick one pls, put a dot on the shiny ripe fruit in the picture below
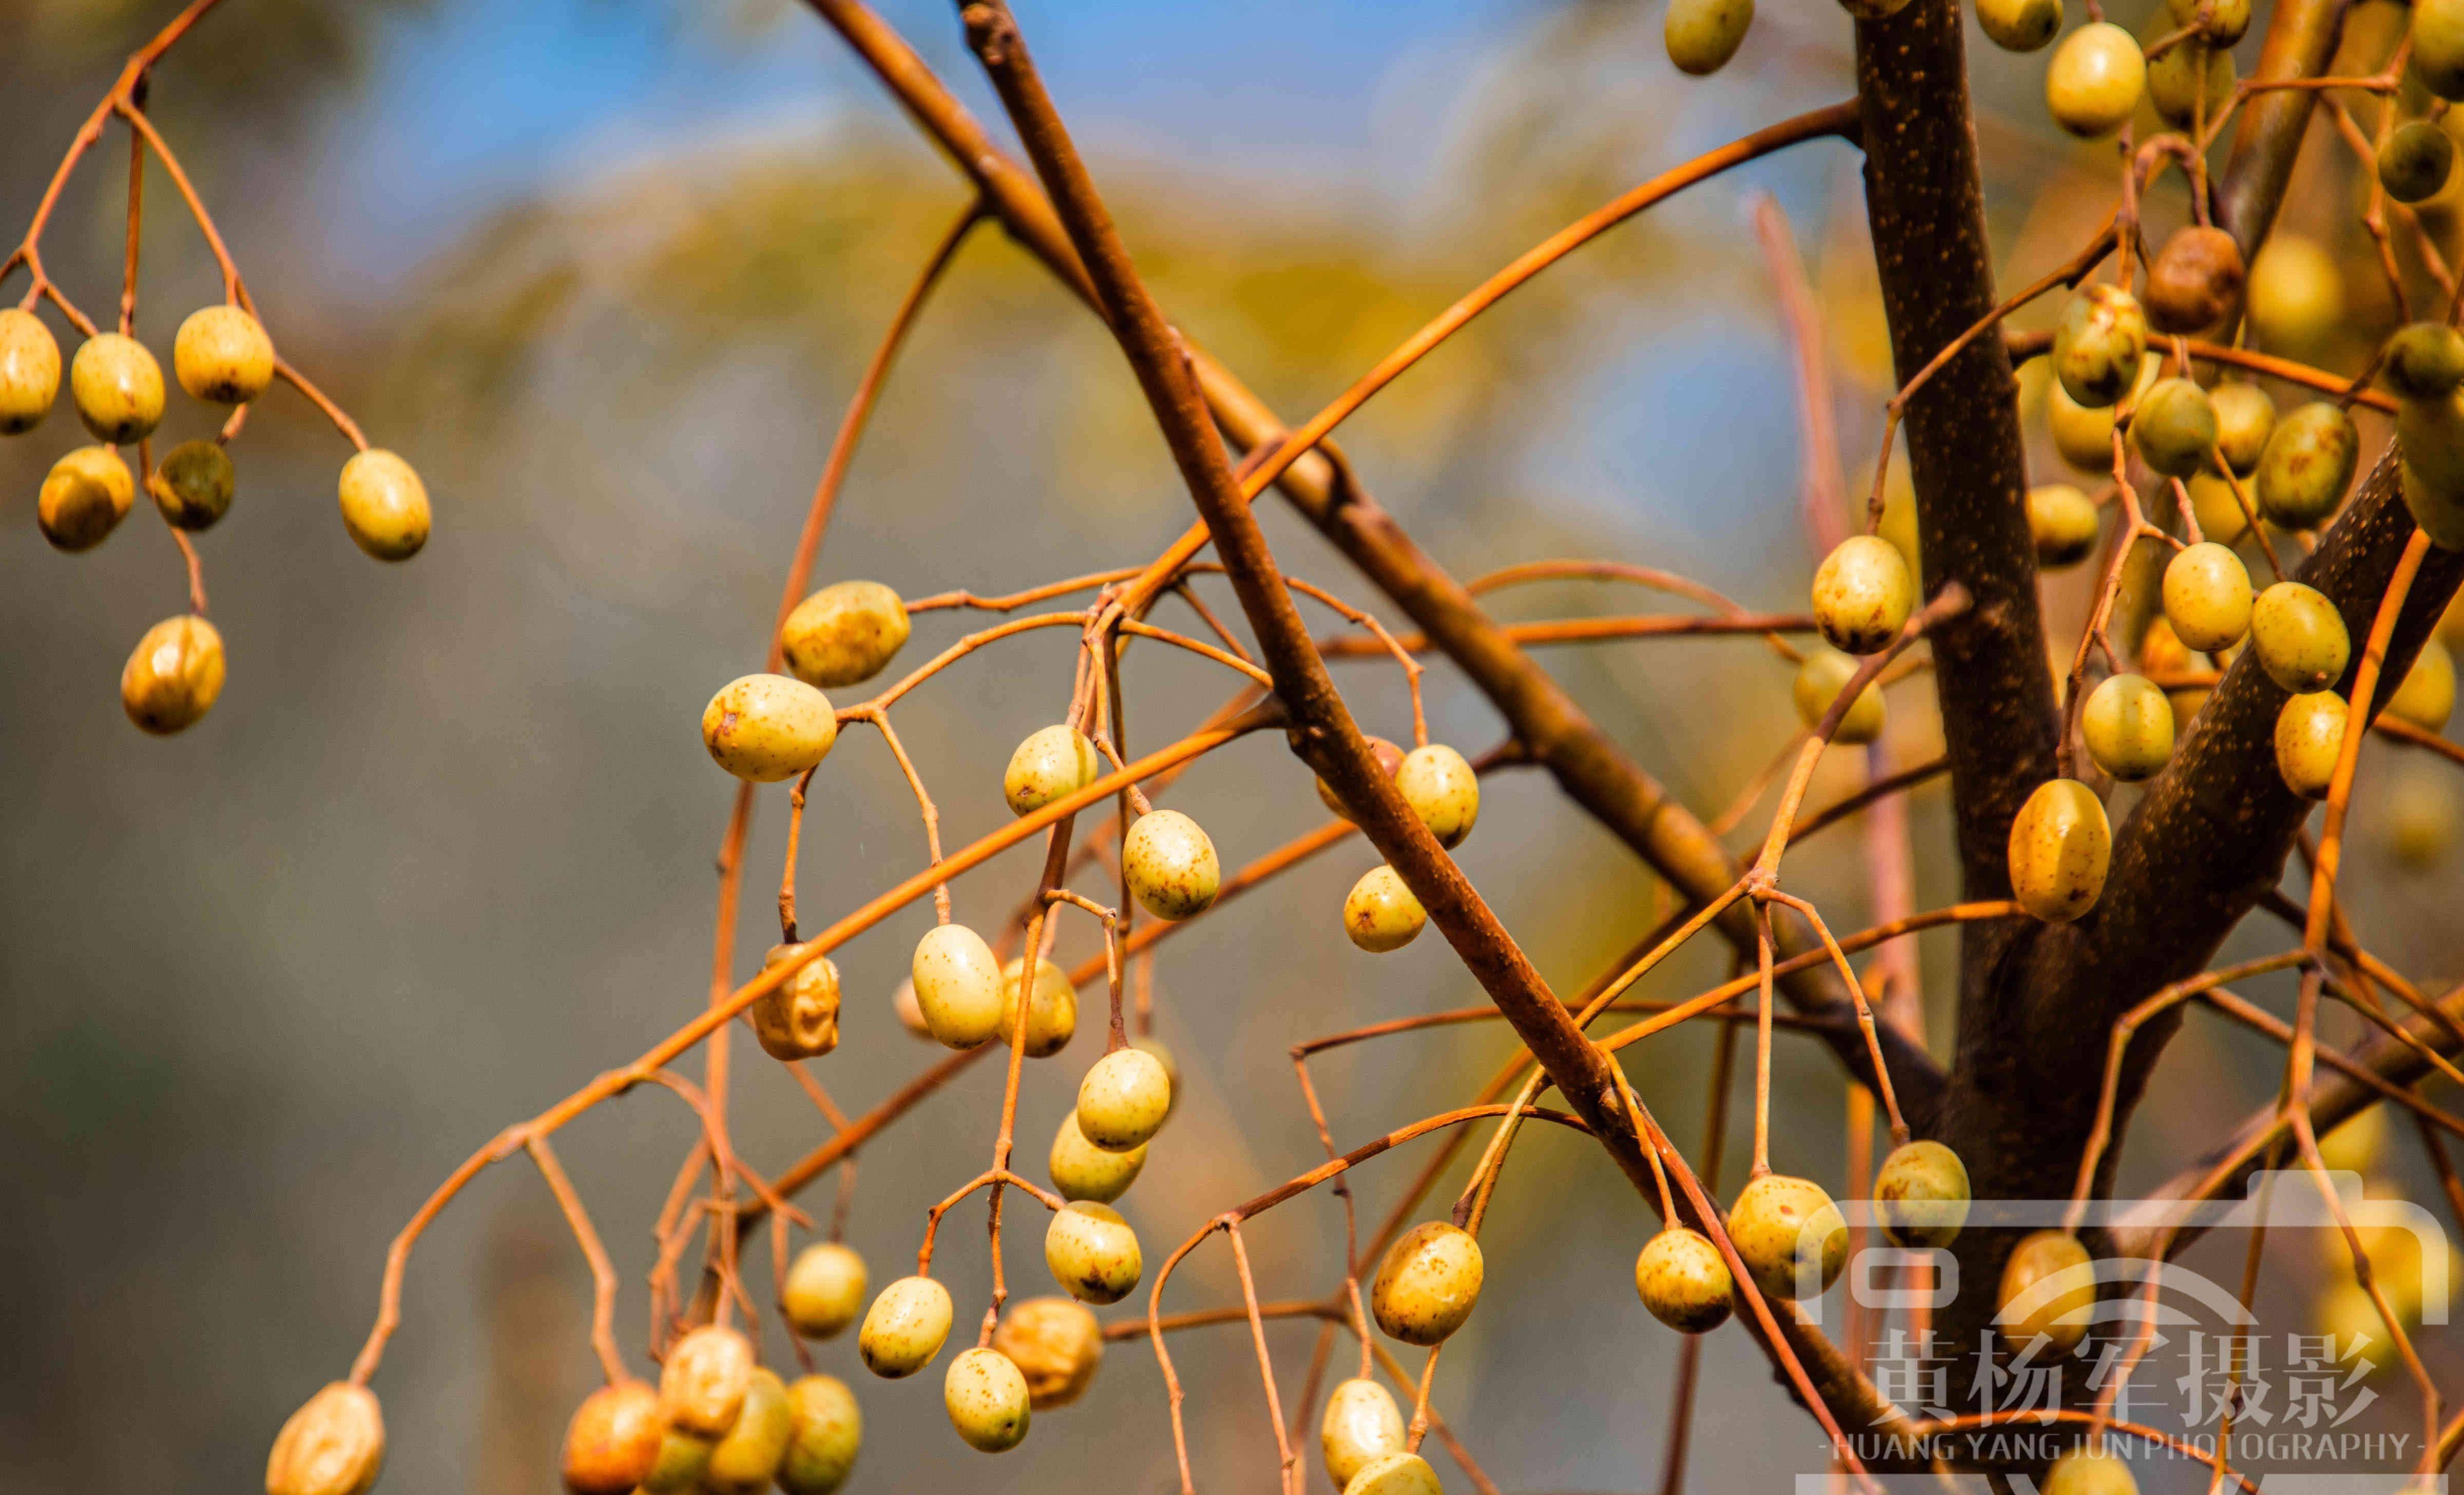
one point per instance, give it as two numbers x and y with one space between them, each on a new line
2085 434
1702 35
1051 1011
223 356
2019 25
2299 637
1395 1474
1439 784
2094 82
193 486
613 1440
2296 296
384 505
1390 758
1092 1252
1056 1344
2128 727
2060 844
1683 1281
2423 360
744 1461
678 1468
85 497
1862 593
1171 866
826 1432
767 728
1123 1100
2306 466
2245 418
2196 279
2055 1261
2101 339
2064 524
904 1329
702 1386
2228 20
1052 763
1361 1425
2174 428
1920 1192
825 1290
2089 1471
2427 697
844 634
1820 680
986 1399
2220 513
173 676
1428 1284
2309 734
2175 78
1784 1228
118 388
30 370
801 1019
2438 46
2414 160
2206 597
333 1445
1080 1170
957 986
1380 913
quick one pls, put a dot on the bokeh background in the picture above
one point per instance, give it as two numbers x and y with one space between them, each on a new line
604 270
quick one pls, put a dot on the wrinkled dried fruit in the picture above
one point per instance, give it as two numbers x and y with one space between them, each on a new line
799 1019
702 1386
333 1445
1056 1344
2060 845
1428 1284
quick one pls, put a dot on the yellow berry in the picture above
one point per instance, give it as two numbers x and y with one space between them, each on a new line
1153 1048
1123 1100
30 370
1702 35
702 1386
2173 427
2297 295
767 728
2438 46
2177 79
1171 866
2206 597
1790 1235
118 387
2422 817
85 497
193 484
1056 1344
799 1019
1820 680
2060 844
333 1445
2414 160
844 634
222 355
1053 764
743 1461
1439 784
1395 1474
2299 637
2427 697
2048 1291
1092 1252
1921 1193
825 1290
1051 1011
613 1441
1683 1281
1361 1425
827 1431
2306 465
2095 79
1428 1284
1080 1170
2089 1471
2084 435
173 676
2227 19
384 505
2309 735
2217 510
2064 524
1862 593
2019 25
2423 360
2436 507
904 1329
1380 913
2245 418
2101 339
958 982
681 1461
2128 727
986 1398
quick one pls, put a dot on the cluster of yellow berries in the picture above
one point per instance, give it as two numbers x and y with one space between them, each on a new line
221 356
1380 913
